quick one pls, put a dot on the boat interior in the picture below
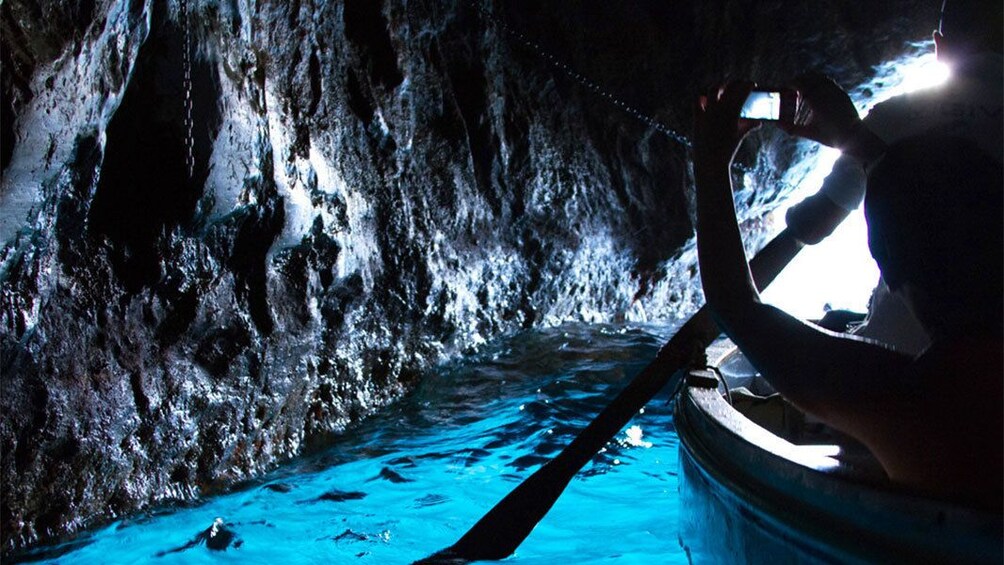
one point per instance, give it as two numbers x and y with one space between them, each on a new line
749 393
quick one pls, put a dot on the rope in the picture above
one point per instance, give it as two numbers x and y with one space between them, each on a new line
721 379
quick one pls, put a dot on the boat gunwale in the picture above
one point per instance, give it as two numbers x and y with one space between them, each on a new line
802 503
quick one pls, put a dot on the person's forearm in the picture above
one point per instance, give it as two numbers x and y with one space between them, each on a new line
725 274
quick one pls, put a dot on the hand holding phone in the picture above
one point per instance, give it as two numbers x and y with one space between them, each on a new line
826 113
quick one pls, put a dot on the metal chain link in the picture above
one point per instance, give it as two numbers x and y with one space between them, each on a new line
187 85
597 89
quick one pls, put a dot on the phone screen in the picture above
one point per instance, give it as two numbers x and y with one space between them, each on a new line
762 105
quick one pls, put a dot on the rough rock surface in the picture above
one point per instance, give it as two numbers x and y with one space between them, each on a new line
377 185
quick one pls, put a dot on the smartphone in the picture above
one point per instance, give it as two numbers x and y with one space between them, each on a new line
776 105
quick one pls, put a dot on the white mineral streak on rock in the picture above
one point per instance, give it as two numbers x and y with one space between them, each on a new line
72 96
298 210
235 159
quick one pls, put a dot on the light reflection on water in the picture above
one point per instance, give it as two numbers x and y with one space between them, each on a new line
413 479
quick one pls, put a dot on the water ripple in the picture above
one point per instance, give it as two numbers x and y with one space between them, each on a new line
413 478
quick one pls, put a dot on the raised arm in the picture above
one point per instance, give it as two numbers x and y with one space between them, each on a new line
828 116
830 375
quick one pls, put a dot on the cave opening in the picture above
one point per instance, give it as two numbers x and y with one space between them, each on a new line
839 272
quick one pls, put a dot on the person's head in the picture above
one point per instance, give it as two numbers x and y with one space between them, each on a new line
969 26
935 212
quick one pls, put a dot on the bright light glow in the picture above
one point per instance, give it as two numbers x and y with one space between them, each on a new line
840 271
821 450
901 77
819 457
634 434
925 74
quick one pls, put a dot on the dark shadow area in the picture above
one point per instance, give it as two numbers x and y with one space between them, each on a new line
71 216
16 69
367 28
257 230
470 92
358 102
145 190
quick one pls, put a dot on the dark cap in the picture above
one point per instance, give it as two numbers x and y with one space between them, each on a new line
973 25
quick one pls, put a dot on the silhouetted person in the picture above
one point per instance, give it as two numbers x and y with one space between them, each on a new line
935 210
969 104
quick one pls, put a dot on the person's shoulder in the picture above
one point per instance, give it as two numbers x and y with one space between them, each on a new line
902 108
986 68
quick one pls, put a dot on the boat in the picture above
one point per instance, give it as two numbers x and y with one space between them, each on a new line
761 482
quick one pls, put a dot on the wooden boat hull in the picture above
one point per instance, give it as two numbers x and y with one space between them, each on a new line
752 497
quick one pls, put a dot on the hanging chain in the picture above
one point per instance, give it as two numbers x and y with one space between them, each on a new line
578 77
187 85
566 69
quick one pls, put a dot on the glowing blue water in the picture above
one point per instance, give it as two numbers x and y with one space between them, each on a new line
411 480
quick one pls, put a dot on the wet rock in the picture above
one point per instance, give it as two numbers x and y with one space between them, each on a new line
336 495
278 487
377 186
388 474
350 536
218 537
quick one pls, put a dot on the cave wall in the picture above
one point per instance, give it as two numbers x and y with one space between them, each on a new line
377 185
